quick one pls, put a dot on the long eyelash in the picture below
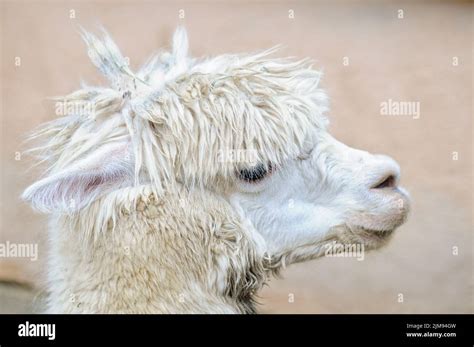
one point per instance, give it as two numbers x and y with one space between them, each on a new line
256 173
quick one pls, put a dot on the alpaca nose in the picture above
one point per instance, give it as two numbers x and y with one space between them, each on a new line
385 174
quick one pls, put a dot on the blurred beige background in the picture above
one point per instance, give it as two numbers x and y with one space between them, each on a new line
409 59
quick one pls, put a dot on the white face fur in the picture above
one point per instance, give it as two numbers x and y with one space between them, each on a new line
332 185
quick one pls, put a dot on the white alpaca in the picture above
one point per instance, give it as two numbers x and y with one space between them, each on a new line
184 185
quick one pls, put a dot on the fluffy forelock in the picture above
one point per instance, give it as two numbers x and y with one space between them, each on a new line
182 116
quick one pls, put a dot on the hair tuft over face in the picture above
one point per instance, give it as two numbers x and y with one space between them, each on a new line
176 116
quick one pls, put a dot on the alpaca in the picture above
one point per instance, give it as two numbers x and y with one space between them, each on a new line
182 187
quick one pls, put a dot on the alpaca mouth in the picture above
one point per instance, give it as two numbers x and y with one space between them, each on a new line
380 233
374 239
391 210
365 232
371 238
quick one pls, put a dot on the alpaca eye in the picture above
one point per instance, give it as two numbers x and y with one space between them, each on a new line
255 174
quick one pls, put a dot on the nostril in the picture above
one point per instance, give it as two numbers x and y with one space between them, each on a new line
387 182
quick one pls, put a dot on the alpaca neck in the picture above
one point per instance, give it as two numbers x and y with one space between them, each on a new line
146 264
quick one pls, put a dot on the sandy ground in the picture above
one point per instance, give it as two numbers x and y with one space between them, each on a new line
409 59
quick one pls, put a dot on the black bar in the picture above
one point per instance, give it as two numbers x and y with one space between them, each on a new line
318 330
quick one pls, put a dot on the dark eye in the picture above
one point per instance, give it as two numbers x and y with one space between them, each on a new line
256 173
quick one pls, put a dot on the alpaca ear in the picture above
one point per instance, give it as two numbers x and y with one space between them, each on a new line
180 46
75 187
106 56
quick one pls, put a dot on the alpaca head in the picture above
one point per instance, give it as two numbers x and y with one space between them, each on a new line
250 129
329 192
